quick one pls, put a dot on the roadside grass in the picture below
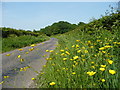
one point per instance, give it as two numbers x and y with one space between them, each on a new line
82 60
12 43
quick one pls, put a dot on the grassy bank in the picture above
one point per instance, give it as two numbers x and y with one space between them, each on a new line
83 60
12 43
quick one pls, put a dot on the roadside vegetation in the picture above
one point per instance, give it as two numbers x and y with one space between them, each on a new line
15 39
87 57
11 43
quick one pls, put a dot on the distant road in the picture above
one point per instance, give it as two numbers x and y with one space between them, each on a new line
11 64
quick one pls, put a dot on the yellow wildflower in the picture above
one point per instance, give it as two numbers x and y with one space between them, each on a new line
33 78
107 46
76 63
7 54
20 49
47 50
73 65
102 69
98 40
95 44
78 51
86 51
51 50
62 50
110 61
107 43
53 64
42 73
118 43
92 62
2 82
73 46
58 70
77 40
102 48
75 57
6 76
83 59
77 46
44 65
91 46
71 59
91 73
66 48
44 55
103 51
47 58
103 80
67 52
112 72
73 73
103 66
95 55
109 40
114 42
23 69
22 60
19 56
89 42
32 45
63 54
64 59
63 68
82 55
52 83
93 67
83 47
31 49
66 69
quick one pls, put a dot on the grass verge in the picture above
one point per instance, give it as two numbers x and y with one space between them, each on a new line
12 43
83 60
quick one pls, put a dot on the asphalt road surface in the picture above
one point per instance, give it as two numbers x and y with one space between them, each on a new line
11 65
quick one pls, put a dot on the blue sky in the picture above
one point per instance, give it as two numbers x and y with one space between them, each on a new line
36 15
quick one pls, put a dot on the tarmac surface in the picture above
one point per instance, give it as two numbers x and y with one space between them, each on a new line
11 65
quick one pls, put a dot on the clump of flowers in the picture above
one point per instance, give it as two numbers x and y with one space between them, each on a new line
112 72
75 57
102 69
91 73
103 80
52 83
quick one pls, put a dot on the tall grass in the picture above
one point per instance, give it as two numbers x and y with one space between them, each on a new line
12 43
83 60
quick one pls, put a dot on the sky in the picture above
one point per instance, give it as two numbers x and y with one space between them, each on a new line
37 15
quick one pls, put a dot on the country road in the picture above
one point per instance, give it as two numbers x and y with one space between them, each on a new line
11 65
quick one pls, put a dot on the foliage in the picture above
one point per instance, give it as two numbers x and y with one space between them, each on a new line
12 43
58 28
10 32
86 57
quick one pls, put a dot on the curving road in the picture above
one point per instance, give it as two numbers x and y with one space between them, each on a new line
11 64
